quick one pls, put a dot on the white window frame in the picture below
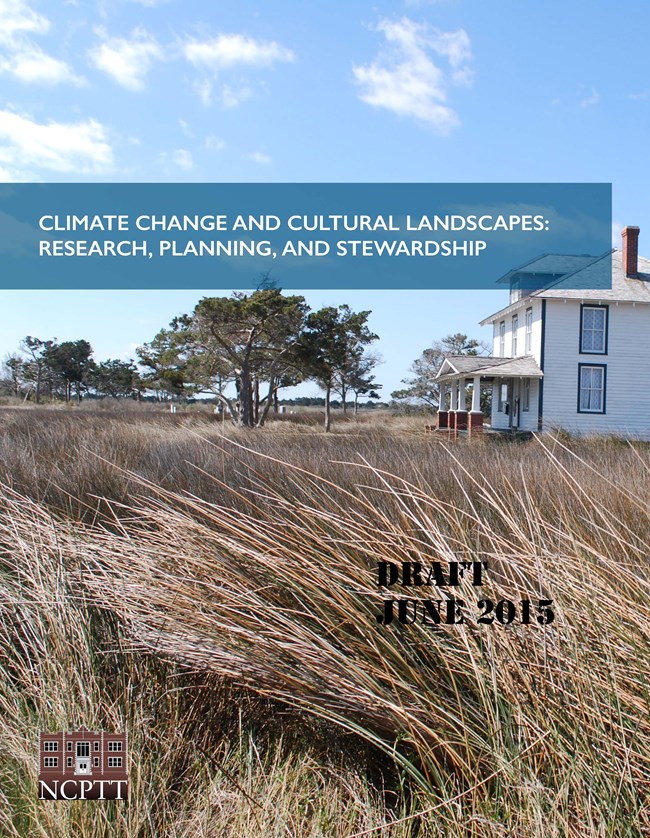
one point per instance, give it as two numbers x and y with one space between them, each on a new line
526 395
592 332
51 762
529 331
50 746
591 389
114 762
515 329
502 339
114 746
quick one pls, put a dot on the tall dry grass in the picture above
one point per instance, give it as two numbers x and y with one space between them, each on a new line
201 761
156 549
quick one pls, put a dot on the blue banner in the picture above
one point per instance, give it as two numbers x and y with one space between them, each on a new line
363 236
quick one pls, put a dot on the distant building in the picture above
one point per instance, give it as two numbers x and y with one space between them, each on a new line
562 358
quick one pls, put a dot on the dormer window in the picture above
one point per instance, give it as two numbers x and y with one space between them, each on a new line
515 291
593 329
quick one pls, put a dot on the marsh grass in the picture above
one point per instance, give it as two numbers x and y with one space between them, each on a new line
215 593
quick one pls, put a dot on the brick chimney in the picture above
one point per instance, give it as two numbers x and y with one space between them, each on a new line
630 251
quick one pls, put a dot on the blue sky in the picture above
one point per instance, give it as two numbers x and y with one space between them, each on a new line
454 90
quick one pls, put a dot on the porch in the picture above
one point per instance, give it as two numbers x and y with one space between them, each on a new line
515 384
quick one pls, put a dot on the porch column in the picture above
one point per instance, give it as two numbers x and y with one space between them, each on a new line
461 414
443 415
453 400
476 416
476 395
453 406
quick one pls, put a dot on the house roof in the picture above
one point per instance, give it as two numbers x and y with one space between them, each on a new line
548 264
623 289
488 366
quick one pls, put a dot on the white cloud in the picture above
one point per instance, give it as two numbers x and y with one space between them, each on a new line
179 158
232 96
55 146
229 96
203 88
226 51
214 143
22 58
590 99
642 96
182 158
33 66
13 175
456 47
260 157
17 18
128 60
405 79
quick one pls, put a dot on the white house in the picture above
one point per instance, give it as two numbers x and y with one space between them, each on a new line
572 359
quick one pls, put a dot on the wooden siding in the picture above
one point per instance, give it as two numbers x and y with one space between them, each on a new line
628 373
536 306
527 419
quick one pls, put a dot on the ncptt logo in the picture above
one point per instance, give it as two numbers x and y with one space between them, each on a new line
82 765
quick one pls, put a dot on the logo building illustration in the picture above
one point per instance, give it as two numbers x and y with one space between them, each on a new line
82 765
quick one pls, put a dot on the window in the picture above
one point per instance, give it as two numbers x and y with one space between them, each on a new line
525 402
115 762
69 762
96 746
593 329
51 746
515 291
96 760
592 382
502 339
69 746
515 328
51 762
529 331
502 395
83 749
114 746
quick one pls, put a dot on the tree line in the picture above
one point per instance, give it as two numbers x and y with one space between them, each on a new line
242 350
422 387
49 370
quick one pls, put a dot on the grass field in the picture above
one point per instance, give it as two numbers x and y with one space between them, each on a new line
214 592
